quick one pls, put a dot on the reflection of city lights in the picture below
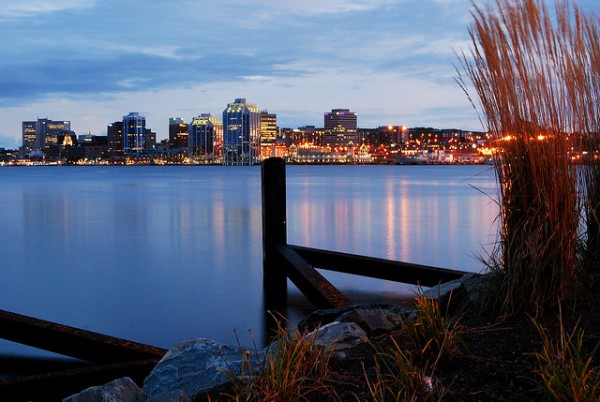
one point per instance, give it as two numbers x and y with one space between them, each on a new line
541 137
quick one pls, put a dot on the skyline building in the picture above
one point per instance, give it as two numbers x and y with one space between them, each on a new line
340 128
35 134
205 137
115 138
268 133
241 133
178 133
134 133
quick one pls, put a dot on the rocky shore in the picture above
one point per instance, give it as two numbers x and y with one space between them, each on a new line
497 364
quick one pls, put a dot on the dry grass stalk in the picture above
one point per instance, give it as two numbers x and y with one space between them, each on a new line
532 75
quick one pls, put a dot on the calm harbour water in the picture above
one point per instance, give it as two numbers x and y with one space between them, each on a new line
164 254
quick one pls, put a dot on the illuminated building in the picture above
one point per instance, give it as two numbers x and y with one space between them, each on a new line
115 138
205 138
268 134
36 133
241 133
178 133
340 117
340 127
134 133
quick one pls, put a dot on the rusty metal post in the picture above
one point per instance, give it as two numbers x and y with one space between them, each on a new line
274 231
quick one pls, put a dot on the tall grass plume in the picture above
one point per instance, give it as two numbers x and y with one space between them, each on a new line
538 93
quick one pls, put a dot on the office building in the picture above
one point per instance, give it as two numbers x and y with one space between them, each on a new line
268 134
36 133
115 138
340 128
134 133
205 138
178 133
241 133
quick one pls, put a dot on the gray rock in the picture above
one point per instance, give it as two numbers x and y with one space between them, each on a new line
323 317
172 396
194 367
340 335
371 320
121 390
456 293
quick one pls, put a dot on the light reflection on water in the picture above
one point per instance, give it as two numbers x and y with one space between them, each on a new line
163 254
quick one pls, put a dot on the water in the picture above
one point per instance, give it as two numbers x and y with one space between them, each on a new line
163 254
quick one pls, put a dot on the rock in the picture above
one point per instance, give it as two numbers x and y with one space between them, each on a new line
172 396
194 367
323 317
456 293
121 390
320 318
371 320
340 335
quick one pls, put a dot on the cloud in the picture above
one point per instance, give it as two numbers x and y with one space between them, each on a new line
32 8
92 77
10 142
319 7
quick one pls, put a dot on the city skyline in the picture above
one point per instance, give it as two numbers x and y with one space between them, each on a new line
89 62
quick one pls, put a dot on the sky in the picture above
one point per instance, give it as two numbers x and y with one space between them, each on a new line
91 62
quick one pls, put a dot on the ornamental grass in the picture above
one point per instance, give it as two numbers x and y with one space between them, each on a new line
536 75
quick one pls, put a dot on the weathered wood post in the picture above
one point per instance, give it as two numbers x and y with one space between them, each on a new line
274 231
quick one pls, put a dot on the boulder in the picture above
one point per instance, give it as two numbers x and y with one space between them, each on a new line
374 321
340 335
172 396
456 293
120 390
193 367
323 317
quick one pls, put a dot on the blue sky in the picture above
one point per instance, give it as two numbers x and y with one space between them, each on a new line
93 61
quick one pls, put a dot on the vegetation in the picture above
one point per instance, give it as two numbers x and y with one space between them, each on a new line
565 373
293 368
537 82
406 372
398 377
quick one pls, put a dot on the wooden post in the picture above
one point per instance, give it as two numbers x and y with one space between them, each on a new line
274 232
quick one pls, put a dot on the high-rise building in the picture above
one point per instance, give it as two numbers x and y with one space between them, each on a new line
134 133
241 133
149 140
340 127
36 133
268 133
340 117
115 138
178 133
205 138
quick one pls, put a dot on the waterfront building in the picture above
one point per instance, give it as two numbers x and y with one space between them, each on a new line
90 148
340 128
268 134
340 117
307 135
205 138
241 133
134 133
36 133
149 140
115 139
178 133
